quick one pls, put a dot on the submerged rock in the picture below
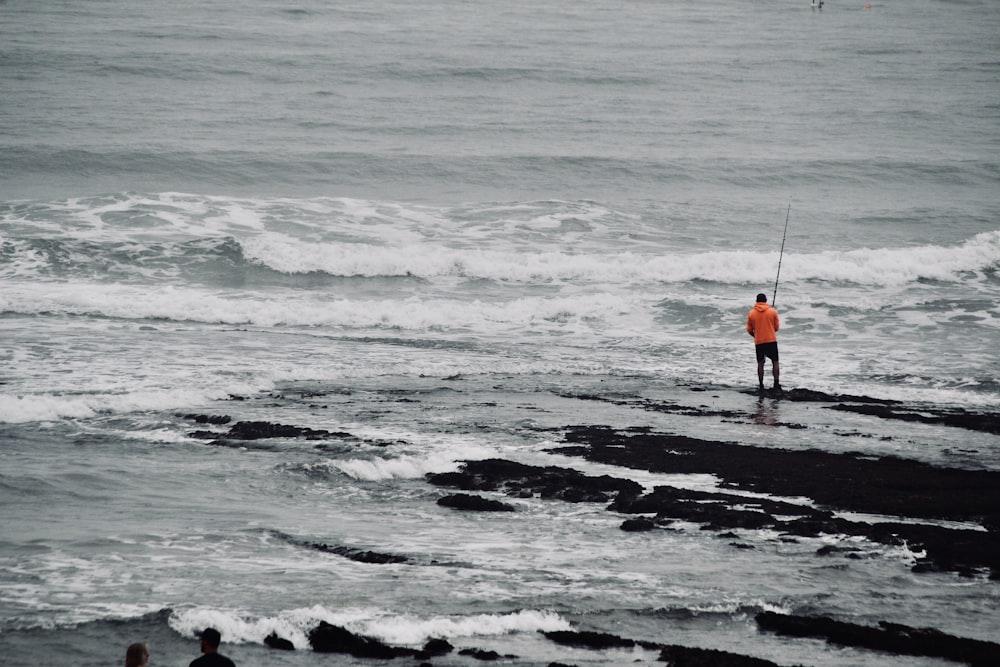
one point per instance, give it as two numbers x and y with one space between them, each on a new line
208 419
888 637
887 485
669 653
245 431
280 643
687 656
639 525
463 501
521 480
328 638
592 640
988 422
437 647
480 654
360 555
257 430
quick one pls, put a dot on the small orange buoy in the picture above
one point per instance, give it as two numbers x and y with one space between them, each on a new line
868 6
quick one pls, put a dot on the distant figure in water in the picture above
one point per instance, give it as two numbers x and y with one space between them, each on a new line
762 324
136 655
210 640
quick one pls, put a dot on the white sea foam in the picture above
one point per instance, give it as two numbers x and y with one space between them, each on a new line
444 455
664 187
875 267
21 260
407 630
369 238
404 467
45 407
18 409
410 630
191 304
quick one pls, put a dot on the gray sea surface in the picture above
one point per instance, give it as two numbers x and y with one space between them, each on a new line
436 230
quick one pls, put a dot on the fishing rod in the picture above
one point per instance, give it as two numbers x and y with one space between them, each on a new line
780 255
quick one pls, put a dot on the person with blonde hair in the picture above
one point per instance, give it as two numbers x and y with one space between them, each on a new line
137 655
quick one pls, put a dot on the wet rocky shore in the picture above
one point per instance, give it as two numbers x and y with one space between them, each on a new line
949 517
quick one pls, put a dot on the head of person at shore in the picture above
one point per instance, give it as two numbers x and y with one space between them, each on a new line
210 640
136 655
762 297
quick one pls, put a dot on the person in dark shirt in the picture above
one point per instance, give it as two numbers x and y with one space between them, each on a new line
210 640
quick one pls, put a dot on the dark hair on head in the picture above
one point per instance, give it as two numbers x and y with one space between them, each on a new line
136 655
762 297
212 636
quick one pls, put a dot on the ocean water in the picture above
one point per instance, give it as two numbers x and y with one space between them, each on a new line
430 228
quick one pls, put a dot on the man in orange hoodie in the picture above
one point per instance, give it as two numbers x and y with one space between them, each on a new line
762 324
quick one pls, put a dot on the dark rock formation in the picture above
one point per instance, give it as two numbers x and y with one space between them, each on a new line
811 396
327 638
668 407
359 555
888 637
591 640
988 422
521 480
639 525
276 642
886 485
208 419
480 654
244 431
716 511
463 501
679 656
842 481
686 656
832 550
259 430
438 647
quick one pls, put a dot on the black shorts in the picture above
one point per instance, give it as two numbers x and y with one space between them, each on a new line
767 350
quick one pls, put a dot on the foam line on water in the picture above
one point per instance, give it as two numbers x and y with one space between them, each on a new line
396 629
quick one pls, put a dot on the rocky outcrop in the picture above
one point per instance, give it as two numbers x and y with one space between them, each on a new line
463 501
328 638
889 637
208 419
258 430
359 555
885 485
669 653
525 481
279 643
988 422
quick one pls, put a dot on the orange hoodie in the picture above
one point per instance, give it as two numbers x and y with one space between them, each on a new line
762 322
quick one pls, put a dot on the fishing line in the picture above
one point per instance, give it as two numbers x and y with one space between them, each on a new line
780 255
